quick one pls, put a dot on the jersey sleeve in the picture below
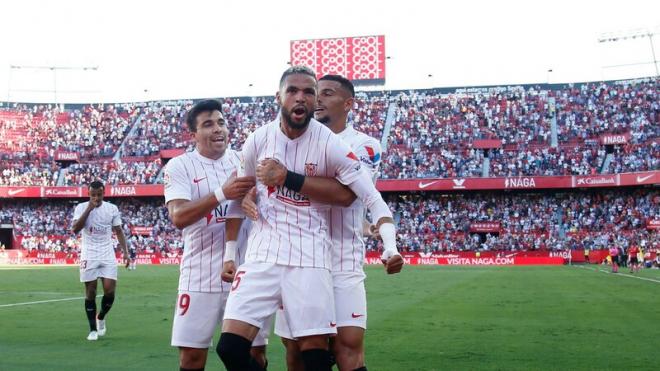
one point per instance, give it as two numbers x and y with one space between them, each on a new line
247 167
343 162
177 182
369 153
248 156
116 217
77 212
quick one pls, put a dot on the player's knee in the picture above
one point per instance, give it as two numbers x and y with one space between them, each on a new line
349 352
192 359
258 354
90 294
234 351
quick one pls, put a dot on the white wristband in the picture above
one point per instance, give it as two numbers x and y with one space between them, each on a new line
388 235
230 251
219 194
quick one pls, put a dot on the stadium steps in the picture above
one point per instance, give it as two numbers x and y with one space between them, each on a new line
389 121
485 170
130 134
61 174
554 141
606 163
560 225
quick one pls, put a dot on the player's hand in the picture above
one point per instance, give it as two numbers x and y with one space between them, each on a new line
228 271
93 203
236 187
271 173
393 261
249 204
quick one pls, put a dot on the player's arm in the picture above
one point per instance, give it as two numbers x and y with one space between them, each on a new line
79 223
351 172
186 212
320 189
232 228
122 243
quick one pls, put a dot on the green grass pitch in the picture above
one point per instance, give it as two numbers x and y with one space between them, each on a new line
427 318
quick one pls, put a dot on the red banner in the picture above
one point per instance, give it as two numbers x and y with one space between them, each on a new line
356 58
142 231
632 179
536 257
610 180
171 153
653 224
67 156
487 143
615 138
61 192
387 185
485 227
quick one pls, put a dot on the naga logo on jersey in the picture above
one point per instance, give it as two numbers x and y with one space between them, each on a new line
310 169
288 196
219 214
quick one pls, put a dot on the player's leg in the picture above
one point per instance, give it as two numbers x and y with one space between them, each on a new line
196 317
294 360
90 305
348 348
258 350
89 277
255 295
109 286
351 312
310 321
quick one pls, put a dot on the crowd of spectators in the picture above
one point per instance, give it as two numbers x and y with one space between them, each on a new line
432 133
113 172
46 226
426 222
441 222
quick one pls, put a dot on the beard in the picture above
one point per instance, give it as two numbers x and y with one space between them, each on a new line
296 125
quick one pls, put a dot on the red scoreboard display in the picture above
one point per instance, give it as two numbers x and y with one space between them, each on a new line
361 59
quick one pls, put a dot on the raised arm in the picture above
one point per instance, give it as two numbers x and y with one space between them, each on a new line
79 223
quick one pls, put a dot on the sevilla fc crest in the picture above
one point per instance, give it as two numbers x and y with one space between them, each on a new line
310 169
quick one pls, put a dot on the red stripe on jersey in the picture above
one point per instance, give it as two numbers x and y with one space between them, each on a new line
309 215
352 156
211 265
299 235
201 254
353 240
341 254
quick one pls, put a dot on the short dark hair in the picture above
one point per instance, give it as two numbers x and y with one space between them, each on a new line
97 184
344 82
208 105
295 70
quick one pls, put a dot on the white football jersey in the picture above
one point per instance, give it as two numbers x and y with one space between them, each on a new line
291 229
192 176
346 222
97 232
